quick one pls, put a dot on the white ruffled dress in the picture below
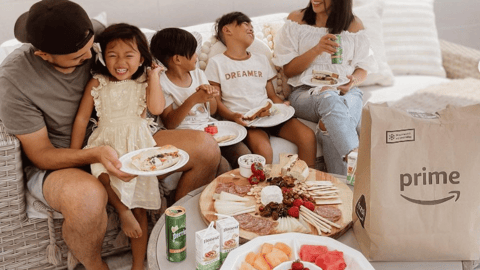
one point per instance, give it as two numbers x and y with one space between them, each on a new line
119 106
295 39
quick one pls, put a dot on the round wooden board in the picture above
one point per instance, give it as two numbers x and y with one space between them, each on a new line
207 209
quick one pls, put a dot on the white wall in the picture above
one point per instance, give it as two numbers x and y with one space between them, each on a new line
154 14
457 20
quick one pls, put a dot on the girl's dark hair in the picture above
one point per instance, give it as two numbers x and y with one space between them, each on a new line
339 18
172 41
237 17
129 34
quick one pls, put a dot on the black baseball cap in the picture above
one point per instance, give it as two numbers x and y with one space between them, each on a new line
55 27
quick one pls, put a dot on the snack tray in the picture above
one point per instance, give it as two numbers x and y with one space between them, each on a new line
353 258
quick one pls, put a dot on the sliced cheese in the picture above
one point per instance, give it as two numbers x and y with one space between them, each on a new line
225 196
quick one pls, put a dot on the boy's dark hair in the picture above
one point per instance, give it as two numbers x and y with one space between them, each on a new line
129 34
339 19
172 41
237 17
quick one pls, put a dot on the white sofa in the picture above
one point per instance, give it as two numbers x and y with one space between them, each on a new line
24 240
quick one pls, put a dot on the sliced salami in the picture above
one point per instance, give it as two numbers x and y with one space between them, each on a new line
257 225
240 190
331 213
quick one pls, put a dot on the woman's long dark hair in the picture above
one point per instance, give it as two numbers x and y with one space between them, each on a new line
339 19
127 33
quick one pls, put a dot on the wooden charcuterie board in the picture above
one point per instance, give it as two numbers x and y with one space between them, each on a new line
206 202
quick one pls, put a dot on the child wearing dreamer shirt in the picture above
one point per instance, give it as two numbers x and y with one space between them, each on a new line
245 82
186 88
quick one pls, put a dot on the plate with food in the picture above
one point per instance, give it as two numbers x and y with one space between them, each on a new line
154 160
295 251
225 132
268 115
324 78
280 198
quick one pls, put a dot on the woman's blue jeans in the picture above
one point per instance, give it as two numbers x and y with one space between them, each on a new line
341 116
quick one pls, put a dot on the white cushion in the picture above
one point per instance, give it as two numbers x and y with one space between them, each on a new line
411 39
370 13
404 86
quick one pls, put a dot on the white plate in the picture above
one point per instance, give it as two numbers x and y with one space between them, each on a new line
308 81
128 167
279 114
228 128
353 258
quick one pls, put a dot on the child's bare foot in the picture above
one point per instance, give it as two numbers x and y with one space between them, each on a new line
130 225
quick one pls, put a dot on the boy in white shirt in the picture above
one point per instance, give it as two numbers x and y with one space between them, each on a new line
245 82
189 98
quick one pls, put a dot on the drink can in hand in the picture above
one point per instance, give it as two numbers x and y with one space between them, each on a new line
337 57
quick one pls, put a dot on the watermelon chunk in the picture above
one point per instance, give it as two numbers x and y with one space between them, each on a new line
332 260
310 252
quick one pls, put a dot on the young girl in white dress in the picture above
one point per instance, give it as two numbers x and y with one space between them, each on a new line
122 87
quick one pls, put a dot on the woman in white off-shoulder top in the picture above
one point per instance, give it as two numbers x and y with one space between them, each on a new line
306 42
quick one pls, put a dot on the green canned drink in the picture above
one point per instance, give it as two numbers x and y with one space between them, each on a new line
176 233
337 56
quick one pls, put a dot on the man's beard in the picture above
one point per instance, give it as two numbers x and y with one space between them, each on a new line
69 67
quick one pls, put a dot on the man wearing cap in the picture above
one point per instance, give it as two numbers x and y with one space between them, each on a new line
41 85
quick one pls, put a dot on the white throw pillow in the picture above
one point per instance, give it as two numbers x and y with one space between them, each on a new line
370 13
411 39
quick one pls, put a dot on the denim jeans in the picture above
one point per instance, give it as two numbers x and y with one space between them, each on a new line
341 116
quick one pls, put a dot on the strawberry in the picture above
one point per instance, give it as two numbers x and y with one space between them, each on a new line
298 202
294 211
309 205
257 170
297 265
253 180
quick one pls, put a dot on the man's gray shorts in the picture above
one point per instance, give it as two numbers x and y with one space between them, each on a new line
35 179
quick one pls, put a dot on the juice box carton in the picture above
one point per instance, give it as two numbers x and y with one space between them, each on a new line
229 235
207 243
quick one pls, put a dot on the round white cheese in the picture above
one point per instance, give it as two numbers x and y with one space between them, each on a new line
271 194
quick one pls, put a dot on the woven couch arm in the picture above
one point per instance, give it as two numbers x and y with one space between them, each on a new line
460 61
12 186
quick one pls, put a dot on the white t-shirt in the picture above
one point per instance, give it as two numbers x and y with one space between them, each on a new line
243 82
176 96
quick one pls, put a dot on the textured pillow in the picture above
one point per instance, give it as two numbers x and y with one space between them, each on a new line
411 39
370 13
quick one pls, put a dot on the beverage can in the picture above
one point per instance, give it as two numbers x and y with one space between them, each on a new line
176 233
337 57
207 244
352 167
229 235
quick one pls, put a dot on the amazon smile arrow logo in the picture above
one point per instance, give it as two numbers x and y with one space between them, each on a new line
434 202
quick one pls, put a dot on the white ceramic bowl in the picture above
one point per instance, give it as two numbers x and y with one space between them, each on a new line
245 163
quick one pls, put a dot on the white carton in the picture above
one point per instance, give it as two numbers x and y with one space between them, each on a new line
207 243
229 235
